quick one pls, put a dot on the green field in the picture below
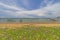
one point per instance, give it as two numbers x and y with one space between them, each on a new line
30 33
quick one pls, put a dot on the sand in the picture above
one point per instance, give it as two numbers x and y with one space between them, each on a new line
15 25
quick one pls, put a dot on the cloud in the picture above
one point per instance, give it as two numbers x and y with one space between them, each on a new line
53 9
10 7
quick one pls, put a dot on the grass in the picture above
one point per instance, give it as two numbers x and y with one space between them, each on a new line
30 33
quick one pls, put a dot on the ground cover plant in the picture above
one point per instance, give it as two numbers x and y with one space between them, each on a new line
30 33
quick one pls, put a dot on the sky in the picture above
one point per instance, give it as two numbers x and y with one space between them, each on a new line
29 8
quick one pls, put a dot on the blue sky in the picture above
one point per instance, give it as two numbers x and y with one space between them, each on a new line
29 8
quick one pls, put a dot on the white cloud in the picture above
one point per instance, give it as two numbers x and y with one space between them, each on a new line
41 12
55 10
10 7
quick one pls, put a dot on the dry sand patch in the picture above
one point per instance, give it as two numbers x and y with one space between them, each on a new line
14 25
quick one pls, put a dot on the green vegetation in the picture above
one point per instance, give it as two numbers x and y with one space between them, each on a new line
30 33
